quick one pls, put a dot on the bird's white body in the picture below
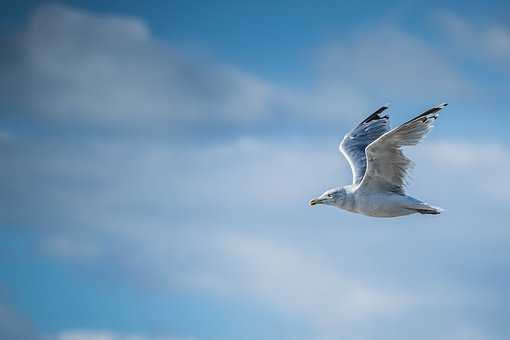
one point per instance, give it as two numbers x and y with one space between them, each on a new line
380 204
379 167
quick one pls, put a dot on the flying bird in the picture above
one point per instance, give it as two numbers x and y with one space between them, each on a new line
380 168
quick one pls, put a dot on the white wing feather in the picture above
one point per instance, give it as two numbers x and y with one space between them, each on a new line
387 166
354 143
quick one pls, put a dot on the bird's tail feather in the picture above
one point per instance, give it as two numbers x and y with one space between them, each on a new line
428 210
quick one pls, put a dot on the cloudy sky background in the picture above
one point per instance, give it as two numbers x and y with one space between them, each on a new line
157 162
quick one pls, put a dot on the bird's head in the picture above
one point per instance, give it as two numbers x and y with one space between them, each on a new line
331 197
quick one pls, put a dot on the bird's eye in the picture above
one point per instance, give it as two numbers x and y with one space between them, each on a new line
330 195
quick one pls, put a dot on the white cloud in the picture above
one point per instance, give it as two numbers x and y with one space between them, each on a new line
388 63
381 64
480 39
473 166
465 332
108 335
213 249
81 66
462 154
303 283
110 70
246 228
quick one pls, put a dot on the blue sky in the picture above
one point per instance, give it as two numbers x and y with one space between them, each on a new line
157 162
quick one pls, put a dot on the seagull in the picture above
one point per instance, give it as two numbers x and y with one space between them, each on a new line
380 168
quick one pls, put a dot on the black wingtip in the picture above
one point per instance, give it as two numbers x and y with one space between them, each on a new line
376 114
433 110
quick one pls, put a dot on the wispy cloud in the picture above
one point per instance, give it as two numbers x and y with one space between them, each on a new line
388 62
83 67
108 335
228 248
479 39
108 70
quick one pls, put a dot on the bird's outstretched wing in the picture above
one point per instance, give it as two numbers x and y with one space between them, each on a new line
354 143
387 166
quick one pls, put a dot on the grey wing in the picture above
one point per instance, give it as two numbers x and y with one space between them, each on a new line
354 143
387 166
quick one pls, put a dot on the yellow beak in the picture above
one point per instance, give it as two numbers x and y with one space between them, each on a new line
314 202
